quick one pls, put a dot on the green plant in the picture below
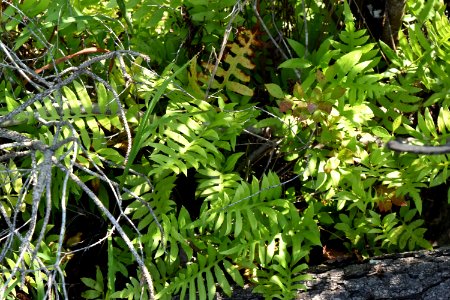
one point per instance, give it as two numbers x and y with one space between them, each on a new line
211 181
97 288
335 101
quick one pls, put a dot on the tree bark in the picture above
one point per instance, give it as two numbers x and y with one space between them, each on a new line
382 18
393 15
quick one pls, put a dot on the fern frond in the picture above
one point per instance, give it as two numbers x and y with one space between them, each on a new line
194 139
232 77
88 117
181 147
214 184
247 203
279 282
425 56
198 280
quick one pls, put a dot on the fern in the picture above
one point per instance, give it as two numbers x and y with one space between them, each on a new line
332 115
198 279
245 205
231 77
75 106
281 281
424 61
337 97
248 226
157 198
353 70
184 143
430 132
257 229
214 184
133 290
193 140
76 120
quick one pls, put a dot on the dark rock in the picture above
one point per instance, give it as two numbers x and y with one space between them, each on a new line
411 275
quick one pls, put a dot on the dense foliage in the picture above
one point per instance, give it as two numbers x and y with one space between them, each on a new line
210 144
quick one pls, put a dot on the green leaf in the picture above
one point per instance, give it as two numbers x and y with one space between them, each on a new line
390 54
72 100
409 215
417 200
231 161
396 124
380 132
201 288
91 294
99 279
313 237
277 280
83 96
111 266
211 284
121 294
403 240
238 224
424 244
239 88
11 104
275 90
270 251
32 7
295 63
85 136
102 98
234 273
348 61
89 282
430 123
325 218
299 49
425 11
111 154
232 250
222 280
192 290
156 17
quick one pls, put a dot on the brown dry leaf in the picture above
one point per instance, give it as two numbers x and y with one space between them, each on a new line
333 254
389 198
325 107
298 91
285 105
320 77
398 200
312 107
385 206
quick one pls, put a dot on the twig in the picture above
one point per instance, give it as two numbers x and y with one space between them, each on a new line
430 150
85 51
111 218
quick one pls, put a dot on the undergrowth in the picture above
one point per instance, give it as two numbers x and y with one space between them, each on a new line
281 141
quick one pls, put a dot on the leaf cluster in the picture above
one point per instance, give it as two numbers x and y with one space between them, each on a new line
122 130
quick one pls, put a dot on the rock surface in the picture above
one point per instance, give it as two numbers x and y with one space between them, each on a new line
411 275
